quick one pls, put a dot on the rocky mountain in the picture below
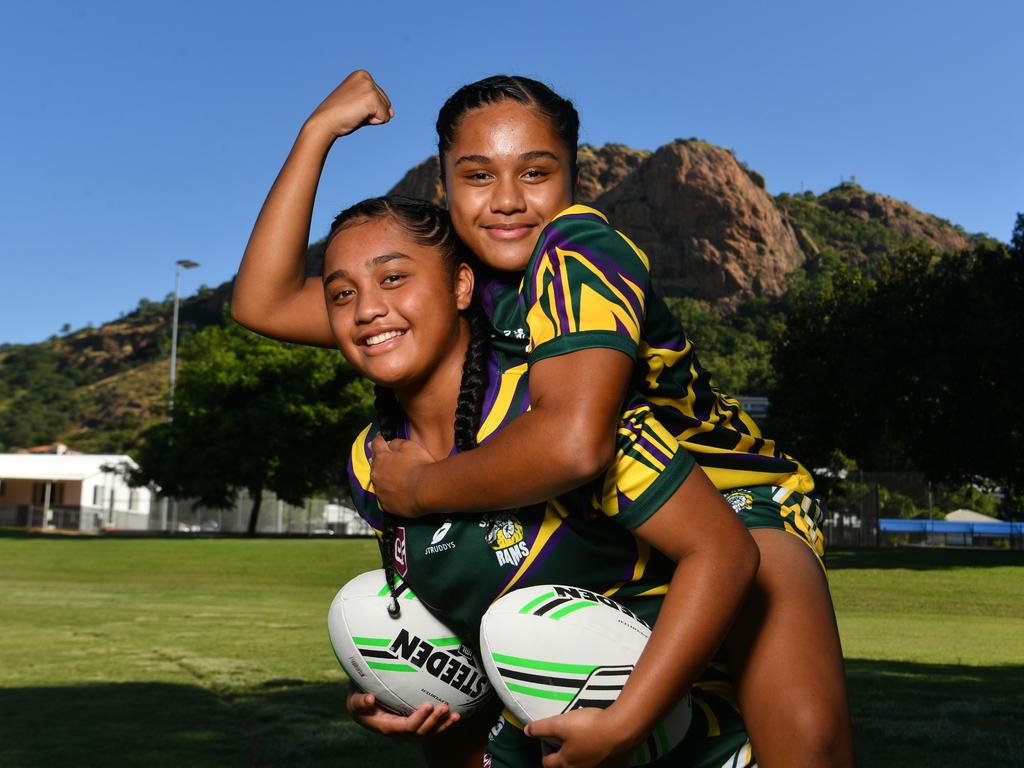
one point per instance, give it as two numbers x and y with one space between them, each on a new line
708 225
711 229
713 233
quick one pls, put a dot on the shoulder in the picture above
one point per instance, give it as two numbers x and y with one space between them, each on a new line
359 456
582 236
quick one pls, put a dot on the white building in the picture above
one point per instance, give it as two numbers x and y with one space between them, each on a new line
78 491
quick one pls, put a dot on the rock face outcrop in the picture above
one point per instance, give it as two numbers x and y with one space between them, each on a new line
422 181
708 225
907 221
603 168
710 228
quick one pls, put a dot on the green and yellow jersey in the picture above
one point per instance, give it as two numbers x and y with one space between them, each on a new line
587 285
458 564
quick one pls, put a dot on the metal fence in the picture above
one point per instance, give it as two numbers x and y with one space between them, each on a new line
315 517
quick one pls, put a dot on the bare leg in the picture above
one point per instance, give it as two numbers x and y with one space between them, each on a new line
787 663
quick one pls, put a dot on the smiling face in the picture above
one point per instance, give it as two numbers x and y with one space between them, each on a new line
394 305
507 173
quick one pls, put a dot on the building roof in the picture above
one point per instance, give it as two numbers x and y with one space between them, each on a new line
970 516
48 466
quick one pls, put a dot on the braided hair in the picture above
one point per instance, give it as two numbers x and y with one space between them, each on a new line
429 225
523 90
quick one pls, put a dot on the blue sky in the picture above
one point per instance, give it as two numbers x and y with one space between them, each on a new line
137 133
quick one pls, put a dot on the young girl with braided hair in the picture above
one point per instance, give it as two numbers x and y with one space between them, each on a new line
401 310
571 295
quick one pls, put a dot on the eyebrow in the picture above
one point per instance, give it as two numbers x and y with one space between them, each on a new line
537 154
376 261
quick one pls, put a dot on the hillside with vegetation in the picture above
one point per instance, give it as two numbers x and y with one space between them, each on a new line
736 263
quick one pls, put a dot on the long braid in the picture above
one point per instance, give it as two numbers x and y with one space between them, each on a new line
474 379
388 416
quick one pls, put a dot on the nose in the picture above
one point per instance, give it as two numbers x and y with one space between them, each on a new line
507 196
370 305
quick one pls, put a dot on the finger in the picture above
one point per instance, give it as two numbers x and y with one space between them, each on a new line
545 728
417 718
384 96
361 703
432 720
398 443
379 445
453 718
382 111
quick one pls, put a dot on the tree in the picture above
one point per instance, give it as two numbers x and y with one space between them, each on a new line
917 368
255 414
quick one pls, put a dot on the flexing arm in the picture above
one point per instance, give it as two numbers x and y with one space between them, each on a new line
272 294
565 439
716 560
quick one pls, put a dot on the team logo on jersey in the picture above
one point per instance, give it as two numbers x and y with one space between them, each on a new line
505 534
399 556
740 499
493 733
437 543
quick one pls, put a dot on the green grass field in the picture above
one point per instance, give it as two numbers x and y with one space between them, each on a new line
210 652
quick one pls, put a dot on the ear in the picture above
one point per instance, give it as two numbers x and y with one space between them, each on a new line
464 282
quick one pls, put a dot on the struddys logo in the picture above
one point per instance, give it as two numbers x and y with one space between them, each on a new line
400 556
740 500
505 535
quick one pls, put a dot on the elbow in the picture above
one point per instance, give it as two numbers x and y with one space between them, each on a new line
241 313
583 460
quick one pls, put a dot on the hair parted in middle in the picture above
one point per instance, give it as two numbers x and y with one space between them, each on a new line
429 225
426 224
524 90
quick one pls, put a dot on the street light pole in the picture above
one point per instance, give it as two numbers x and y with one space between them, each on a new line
179 265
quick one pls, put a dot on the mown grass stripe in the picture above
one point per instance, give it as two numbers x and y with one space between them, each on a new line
540 694
536 601
570 609
390 667
376 641
550 666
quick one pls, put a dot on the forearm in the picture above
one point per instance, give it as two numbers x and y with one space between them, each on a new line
704 596
271 278
529 461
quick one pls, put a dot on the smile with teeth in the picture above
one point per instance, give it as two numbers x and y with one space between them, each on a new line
380 338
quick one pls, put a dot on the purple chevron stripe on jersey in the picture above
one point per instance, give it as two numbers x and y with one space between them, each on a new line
561 300
555 238
656 450
623 502
620 327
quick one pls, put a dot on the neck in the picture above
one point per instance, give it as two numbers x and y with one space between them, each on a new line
430 405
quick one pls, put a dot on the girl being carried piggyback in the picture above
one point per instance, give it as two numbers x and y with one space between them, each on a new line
578 295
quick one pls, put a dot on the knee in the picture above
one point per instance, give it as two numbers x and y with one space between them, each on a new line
824 734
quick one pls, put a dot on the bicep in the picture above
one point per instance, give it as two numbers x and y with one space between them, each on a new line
300 316
584 392
695 517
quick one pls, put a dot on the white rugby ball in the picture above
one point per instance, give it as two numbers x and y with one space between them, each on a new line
404 661
551 649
